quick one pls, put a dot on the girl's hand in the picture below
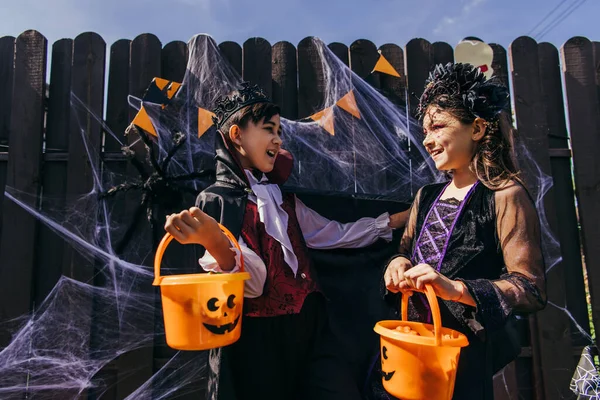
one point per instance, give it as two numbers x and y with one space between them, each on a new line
194 226
445 288
399 220
394 274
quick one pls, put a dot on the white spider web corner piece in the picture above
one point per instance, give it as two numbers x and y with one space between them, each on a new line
586 379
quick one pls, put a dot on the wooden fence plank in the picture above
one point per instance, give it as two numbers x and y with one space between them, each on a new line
51 246
419 62
285 79
500 67
18 241
312 94
584 124
394 87
257 63
174 61
363 57
311 88
136 367
117 107
566 219
341 51
232 53
596 52
552 340
443 53
7 58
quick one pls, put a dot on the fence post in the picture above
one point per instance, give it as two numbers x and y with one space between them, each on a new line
584 123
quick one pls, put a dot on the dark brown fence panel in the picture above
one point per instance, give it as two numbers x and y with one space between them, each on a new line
517 374
551 340
136 367
584 123
394 87
18 240
341 51
174 61
232 53
285 79
257 63
443 53
363 57
7 58
51 246
311 81
566 217
419 61
500 67
117 107
312 92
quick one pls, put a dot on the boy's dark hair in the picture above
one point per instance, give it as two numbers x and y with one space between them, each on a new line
248 103
254 113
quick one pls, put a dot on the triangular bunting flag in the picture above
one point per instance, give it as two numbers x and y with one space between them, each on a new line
325 119
384 66
142 121
204 121
348 104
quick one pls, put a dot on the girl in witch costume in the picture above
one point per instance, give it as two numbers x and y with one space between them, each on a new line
286 350
475 239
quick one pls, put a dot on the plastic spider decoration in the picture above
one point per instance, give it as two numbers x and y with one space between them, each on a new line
157 187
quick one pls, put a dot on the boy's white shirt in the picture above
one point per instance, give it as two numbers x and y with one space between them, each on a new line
318 231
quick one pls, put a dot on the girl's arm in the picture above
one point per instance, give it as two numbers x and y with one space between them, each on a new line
522 288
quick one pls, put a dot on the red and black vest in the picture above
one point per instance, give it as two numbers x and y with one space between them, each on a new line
283 292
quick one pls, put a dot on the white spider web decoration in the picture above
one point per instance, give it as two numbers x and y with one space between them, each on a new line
586 379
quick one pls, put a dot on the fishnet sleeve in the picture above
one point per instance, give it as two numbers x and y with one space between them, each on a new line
522 286
408 237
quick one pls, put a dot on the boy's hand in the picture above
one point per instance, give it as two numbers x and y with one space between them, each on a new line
194 226
399 220
394 275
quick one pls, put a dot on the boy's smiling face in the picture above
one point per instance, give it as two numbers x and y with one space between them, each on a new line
258 143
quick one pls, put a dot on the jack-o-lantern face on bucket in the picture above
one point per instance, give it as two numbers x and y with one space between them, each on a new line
386 375
223 313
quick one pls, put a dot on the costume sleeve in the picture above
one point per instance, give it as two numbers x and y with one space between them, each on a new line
410 234
322 233
522 287
252 264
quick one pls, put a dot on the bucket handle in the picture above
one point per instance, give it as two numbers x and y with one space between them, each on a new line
435 312
160 251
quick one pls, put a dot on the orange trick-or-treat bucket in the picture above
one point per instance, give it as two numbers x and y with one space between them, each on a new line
418 360
201 311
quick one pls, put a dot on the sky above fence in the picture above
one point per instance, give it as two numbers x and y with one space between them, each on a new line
381 21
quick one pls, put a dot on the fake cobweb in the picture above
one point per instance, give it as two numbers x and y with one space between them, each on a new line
83 326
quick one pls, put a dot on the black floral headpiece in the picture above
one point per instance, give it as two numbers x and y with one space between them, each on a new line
227 106
484 98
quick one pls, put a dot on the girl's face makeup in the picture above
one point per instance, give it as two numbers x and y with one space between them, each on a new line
449 142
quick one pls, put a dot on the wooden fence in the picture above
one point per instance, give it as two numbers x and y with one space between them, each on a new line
41 151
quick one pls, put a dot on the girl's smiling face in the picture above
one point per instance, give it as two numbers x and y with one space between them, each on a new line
450 142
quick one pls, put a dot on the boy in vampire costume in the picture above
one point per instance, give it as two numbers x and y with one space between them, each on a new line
287 349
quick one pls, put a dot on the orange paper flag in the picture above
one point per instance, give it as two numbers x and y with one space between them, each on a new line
142 120
171 90
204 121
348 104
325 119
384 66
